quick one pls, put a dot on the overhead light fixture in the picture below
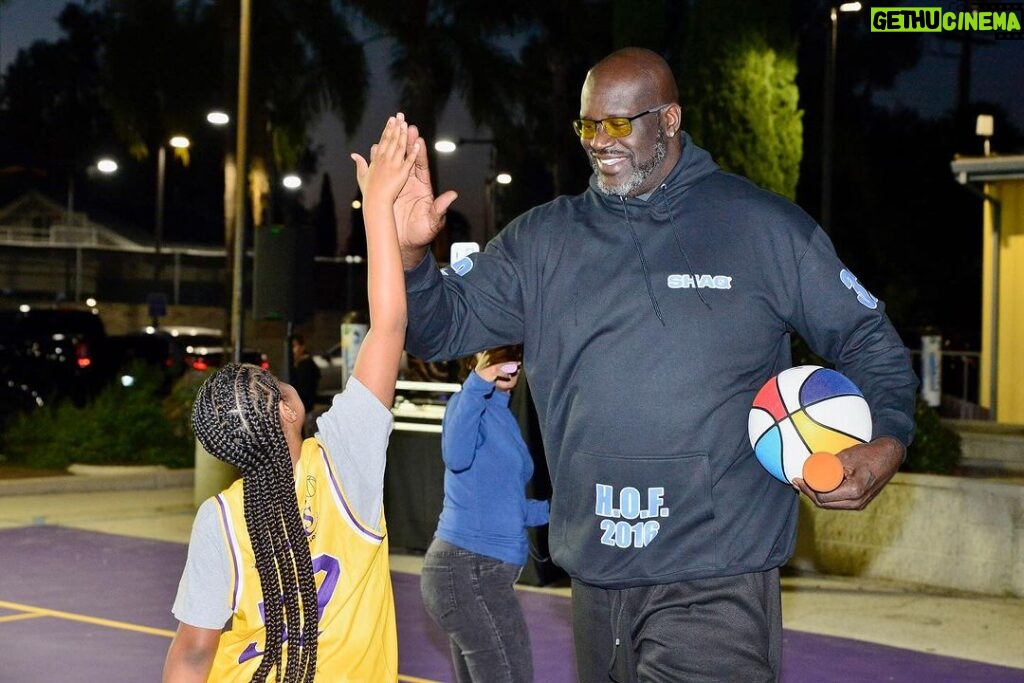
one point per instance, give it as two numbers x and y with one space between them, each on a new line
218 118
106 165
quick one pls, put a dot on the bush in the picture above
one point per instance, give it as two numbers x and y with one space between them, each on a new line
124 425
936 448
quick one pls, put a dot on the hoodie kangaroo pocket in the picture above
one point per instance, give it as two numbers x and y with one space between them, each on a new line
633 520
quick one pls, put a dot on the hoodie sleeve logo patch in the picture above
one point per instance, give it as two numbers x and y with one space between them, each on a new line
460 267
866 298
631 506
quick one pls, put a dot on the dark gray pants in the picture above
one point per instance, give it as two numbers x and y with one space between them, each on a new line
473 599
705 630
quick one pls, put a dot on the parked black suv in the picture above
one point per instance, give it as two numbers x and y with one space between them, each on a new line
178 348
56 352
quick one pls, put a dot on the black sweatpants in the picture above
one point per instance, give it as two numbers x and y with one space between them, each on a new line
718 629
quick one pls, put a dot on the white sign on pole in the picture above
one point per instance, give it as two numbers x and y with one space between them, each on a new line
931 369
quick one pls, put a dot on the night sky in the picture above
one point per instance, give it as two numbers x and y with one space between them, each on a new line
930 88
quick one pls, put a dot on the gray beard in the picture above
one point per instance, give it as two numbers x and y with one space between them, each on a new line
641 172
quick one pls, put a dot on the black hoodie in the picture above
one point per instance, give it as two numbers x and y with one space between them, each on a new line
648 326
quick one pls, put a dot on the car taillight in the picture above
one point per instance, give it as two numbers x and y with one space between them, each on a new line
265 364
200 364
82 355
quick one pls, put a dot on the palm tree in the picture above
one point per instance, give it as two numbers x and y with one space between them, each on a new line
443 48
566 38
169 61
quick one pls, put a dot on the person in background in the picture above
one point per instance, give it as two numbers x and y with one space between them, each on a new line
305 523
305 378
652 307
481 545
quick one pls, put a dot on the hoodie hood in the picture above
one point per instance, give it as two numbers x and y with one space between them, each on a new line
694 165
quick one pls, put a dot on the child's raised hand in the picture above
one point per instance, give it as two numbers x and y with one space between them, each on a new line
390 164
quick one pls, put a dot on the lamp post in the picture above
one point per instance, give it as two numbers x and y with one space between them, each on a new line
241 162
448 146
178 142
220 119
829 111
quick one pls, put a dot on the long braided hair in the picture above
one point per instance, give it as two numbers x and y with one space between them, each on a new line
236 418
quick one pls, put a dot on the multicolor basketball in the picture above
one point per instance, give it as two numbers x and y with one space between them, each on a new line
803 412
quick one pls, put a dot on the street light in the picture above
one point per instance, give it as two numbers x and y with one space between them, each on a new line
829 111
104 165
445 146
218 118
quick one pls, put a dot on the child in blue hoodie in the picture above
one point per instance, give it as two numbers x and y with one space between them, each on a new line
480 546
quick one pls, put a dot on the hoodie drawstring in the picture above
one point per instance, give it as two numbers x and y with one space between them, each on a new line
689 266
643 261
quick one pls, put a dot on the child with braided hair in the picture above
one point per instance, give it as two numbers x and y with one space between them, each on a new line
305 523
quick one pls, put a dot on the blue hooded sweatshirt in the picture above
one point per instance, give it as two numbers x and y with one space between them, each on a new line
487 468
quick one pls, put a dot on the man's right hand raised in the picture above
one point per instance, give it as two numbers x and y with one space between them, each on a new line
418 215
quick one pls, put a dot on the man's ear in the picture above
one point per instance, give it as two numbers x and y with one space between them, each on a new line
673 119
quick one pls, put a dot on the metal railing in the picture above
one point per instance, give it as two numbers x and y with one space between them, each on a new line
87 235
57 264
959 383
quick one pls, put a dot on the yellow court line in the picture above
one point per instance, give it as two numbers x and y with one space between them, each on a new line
70 616
31 611
19 617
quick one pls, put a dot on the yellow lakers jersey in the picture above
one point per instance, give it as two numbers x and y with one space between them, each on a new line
358 637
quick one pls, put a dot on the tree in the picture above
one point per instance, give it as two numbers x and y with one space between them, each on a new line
738 89
441 48
304 61
563 41
865 63
325 221
49 110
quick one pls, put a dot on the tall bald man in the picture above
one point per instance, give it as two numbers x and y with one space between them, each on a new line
652 307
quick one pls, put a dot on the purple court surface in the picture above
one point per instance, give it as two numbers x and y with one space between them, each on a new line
85 607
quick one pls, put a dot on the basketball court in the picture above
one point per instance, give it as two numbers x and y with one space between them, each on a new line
84 606
81 605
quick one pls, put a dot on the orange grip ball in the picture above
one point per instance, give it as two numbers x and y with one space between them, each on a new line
823 472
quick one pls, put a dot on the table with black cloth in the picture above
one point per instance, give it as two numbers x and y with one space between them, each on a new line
414 478
413 489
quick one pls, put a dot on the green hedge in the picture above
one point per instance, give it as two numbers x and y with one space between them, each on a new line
124 425
936 448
